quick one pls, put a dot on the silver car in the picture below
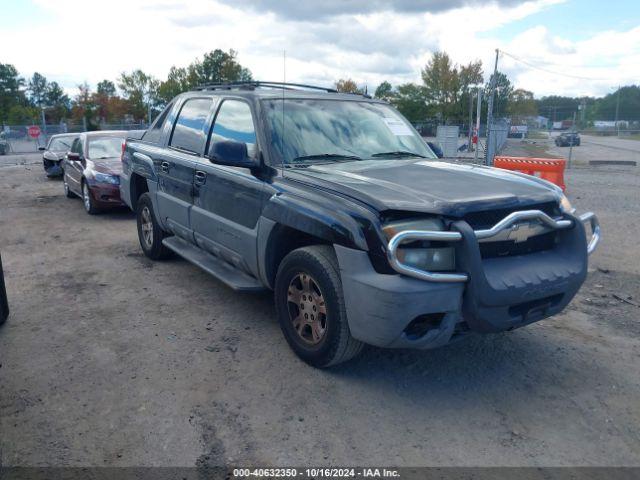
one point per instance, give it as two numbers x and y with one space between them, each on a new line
54 153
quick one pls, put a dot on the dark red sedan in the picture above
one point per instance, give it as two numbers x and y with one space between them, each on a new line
92 170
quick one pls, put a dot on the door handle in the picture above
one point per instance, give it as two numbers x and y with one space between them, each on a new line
164 166
200 177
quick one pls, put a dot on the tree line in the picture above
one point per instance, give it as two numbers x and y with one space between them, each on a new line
447 91
445 95
131 98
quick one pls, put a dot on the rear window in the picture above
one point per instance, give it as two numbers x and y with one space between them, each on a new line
155 130
189 133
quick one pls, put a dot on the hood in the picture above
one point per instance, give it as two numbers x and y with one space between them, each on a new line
54 154
428 186
111 166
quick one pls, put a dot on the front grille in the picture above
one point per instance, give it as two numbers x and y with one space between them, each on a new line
509 248
487 219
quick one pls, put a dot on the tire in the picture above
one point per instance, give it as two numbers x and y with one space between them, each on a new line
147 224
87 200
67 191
320 347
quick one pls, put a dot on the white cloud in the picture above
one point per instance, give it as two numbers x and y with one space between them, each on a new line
378 43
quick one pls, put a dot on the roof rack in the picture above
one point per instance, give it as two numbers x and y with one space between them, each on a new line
250 85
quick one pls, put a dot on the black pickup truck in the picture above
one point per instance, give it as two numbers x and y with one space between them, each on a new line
338 205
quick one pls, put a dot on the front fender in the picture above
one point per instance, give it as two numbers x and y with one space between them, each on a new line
323 219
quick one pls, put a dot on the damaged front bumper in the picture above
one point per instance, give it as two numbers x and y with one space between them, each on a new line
53 168
420 309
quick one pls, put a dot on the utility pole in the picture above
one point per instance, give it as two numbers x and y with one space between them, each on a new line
478 114
492 87
617 111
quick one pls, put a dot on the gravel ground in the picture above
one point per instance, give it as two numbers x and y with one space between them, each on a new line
111 359
591 148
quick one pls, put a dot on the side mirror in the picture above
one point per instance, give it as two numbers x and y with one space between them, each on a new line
231 153
72 156
41 149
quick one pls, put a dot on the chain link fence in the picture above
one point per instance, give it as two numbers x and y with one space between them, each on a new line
16 138
498 133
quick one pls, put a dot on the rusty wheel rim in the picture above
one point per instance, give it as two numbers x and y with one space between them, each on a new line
146 225
307 309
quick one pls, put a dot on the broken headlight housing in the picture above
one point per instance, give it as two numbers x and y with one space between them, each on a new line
424 255
565 205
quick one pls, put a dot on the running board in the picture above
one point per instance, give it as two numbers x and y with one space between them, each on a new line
223 271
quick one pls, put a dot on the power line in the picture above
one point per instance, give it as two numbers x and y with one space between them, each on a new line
550 71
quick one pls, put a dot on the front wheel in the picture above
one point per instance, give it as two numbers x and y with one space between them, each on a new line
87 200
67 191
311 309
150 233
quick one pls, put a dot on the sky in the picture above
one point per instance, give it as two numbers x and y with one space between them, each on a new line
561 47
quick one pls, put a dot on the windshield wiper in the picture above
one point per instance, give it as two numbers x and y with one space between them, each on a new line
398 153
324 156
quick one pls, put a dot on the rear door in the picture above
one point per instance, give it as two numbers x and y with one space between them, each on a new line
228 200
176 165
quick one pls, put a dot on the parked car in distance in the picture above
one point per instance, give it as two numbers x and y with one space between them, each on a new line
567 139
92 169
54 152
335 203
435 148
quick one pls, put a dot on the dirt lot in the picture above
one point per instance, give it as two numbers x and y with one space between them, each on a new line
111 359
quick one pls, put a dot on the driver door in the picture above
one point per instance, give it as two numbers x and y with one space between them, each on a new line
228 200
73 168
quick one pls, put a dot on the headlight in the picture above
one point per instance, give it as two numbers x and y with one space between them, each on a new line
424 255
50 156
105 178
565 205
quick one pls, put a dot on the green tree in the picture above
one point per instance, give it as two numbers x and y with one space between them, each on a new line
410 101
217 66
140 91
22 114
522 104
38 89
177 82
557 108
104 100
628 105
468 76
57 102
106 88
346 85
441 86
384 91
504 89
11 93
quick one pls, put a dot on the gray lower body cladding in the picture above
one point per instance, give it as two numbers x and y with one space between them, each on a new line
501 294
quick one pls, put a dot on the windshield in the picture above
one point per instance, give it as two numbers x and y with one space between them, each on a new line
322 131
61 144
105 147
